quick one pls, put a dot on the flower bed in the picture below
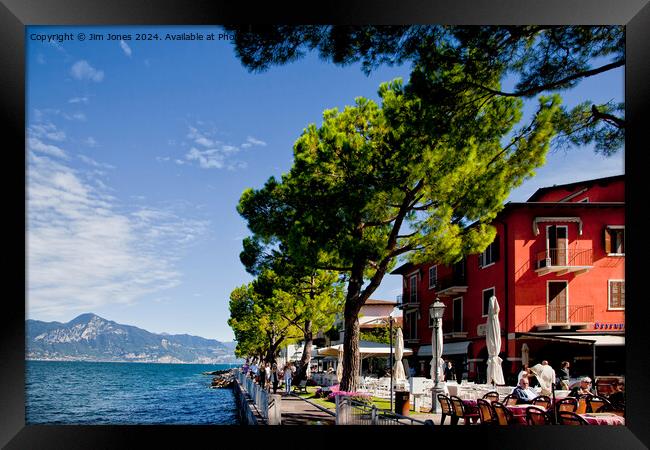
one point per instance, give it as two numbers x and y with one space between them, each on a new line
357 396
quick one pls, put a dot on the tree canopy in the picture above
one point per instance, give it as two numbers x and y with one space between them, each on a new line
542 59
374 182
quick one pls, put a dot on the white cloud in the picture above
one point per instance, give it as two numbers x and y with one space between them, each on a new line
94 163
162 158
125 48
47 130
251 141
78 116
210 153
78 100
36 145
207 159
85 250
82 70
90 142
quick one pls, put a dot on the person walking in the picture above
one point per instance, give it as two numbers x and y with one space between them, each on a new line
275 378
449 372
288 376
262 375
267 376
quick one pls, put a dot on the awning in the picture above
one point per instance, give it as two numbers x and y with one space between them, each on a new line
585 339
448 348
556 219
366 350
599 340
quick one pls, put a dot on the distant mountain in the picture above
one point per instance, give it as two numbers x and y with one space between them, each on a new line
89 337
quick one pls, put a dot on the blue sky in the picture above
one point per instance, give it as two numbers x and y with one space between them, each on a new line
138 152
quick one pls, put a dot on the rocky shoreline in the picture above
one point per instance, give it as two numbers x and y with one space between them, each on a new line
223 378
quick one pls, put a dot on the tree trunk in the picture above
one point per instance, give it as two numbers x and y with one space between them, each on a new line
351 357
305 360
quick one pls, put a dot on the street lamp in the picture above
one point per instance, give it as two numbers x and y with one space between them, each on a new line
436 311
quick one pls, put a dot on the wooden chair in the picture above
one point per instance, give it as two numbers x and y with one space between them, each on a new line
582 404
569 418
542 400
598 404
485 412
446 408
460 411
510 400
503 415
566 404
491 396
535 416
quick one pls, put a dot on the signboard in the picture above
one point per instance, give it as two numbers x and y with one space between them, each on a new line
481 329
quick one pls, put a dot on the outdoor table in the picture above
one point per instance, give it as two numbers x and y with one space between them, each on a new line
471 406
519 412
603 419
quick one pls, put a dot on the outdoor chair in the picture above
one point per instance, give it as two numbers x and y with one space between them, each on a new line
503 415
535 416
569 418
460 411
510 400
491 396
582 404
542 400
301 388
566 404
446 408
598 404
485 412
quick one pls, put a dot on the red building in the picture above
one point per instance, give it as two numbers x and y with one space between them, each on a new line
557 268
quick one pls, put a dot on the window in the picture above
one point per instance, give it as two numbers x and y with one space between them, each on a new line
615 240
616 294
414 289
411 325
490 255
487 294
433 276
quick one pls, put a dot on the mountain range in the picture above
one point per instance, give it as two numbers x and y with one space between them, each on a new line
89 337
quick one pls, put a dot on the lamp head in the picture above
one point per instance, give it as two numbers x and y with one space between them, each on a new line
437 309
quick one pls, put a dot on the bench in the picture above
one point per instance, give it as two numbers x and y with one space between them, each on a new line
301 388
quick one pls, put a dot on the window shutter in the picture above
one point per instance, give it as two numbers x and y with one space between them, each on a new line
480 260
608 241
495 249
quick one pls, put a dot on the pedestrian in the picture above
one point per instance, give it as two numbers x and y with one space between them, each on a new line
262 375
244 368
564 376
449 371
288 375
525 371
267 376
275 377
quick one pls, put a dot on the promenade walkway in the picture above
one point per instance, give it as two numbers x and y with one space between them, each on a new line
296 411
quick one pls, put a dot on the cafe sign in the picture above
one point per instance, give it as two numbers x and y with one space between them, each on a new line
608 326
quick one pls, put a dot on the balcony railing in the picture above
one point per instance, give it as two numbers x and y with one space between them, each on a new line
451 284
548 317
562 261
407 301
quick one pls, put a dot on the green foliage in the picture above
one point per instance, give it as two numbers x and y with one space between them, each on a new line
377 334
542 59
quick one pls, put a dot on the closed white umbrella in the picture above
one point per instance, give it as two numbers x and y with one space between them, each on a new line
399 352
493 341
339 365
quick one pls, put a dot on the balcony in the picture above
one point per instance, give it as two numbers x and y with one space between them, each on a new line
451 285
561 318
409 303
563 261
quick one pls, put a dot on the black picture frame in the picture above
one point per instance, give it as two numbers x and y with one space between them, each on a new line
16 14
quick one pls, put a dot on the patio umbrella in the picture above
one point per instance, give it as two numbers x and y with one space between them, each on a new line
436 342
339 365
524 355
399 352
493 341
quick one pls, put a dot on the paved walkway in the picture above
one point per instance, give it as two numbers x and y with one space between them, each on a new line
296 411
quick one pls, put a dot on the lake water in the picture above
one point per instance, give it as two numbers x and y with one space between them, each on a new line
125 394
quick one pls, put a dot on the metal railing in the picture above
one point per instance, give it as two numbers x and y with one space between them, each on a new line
352 412
451 280
564 257
556 315
259 396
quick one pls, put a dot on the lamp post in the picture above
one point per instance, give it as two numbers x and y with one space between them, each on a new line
436 311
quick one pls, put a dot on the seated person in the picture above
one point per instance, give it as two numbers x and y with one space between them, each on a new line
523 392
617 397
584 388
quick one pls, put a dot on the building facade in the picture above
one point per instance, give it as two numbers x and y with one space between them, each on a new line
557 268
